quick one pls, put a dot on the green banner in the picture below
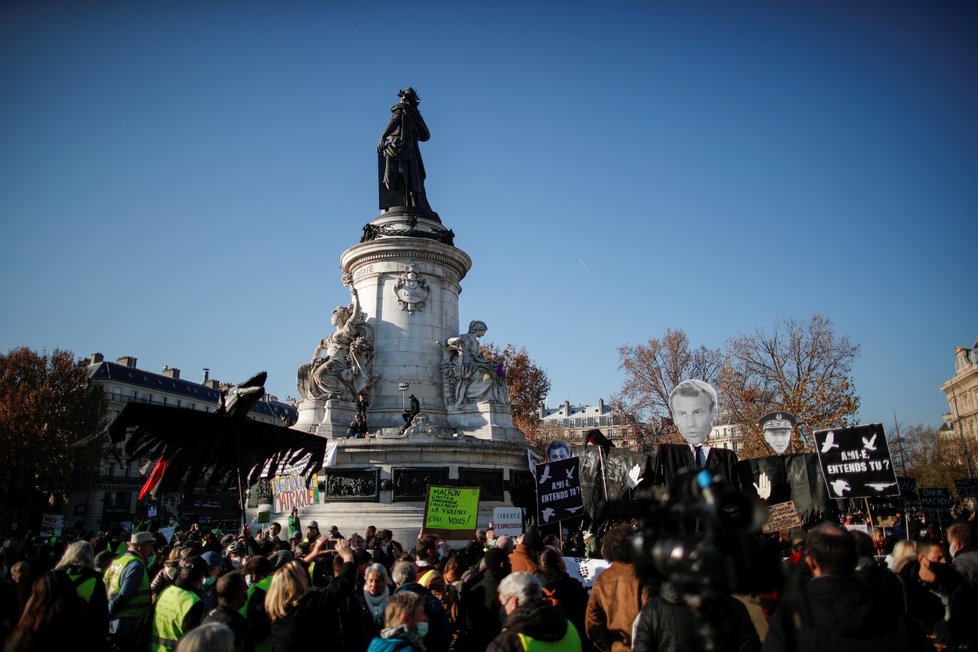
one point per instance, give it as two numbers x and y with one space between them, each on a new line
451 512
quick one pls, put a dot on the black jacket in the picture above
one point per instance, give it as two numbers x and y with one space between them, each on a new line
667 624
538 620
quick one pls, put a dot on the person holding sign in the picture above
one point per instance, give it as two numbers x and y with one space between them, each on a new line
695 411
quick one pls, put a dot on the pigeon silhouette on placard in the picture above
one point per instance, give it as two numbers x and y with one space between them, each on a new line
840 487
871 444
829 442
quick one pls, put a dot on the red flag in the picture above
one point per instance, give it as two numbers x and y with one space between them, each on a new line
154 479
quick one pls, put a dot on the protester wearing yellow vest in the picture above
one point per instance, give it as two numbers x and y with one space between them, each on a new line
178 609
78 561
258 574
532 624
127 589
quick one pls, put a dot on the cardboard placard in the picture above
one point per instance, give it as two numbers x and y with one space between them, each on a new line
451 512
781 516
507 521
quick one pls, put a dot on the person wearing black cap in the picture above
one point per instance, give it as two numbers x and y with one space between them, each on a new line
312 533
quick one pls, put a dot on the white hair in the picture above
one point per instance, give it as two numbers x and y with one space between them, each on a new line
404 571
525 586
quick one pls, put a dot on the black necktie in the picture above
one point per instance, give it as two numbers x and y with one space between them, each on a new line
699 456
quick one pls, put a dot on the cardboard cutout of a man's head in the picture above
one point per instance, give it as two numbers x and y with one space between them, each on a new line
777 430
694 410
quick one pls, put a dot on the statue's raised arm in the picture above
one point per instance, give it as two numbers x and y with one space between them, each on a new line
401 170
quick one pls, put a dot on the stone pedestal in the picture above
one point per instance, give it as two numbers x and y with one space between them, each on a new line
406 272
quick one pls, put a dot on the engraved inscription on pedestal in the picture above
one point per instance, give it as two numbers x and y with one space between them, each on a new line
489 481
352 484
412 483
411 289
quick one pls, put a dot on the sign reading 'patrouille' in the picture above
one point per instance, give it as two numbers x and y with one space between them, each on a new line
559 490
856 462
451 512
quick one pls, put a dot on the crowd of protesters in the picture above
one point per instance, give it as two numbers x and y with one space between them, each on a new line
207 590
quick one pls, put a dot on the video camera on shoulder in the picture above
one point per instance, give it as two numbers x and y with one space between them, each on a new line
701 536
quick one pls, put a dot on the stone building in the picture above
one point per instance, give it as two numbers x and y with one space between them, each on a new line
962 394
110 497
575 420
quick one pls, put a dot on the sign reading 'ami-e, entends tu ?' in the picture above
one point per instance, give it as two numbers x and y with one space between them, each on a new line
856 462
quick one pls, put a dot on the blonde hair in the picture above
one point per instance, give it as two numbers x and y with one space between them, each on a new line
79 553
399 605
904 548
289 584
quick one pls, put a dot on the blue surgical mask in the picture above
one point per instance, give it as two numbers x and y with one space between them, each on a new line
422 629
210 581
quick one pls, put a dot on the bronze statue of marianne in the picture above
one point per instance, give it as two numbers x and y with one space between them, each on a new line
401 170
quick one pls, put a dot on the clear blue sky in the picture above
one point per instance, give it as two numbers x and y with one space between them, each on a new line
178 179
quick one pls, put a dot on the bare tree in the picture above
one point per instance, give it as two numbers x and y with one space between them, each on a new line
802 367
653 369
935 458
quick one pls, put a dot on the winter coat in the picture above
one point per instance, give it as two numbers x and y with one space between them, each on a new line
541 622
616 598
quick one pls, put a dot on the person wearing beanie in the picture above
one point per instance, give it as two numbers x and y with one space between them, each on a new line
524 558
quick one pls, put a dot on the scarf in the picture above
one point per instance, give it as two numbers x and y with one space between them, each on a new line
376 604
405 633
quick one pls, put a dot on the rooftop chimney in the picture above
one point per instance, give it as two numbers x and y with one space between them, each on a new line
207 375
171 372
95 358
127 361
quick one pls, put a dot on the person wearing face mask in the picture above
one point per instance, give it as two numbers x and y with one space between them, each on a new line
236 555
405 625
179 608
208 587
168 574
940 608
964 555
232 593
258 577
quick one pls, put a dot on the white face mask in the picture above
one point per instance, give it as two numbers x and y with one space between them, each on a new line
210 581
235 562
171 571
248 580
423 629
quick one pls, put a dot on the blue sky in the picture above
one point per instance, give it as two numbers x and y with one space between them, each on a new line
178 179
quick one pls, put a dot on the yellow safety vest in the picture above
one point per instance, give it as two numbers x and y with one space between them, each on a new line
570 643
261 586
138 603
171 609
84 586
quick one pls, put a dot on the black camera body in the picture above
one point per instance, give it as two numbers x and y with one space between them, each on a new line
702 537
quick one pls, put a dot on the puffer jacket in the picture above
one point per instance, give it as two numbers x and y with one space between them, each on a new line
540 621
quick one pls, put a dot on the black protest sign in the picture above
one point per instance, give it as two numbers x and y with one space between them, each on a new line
908 491
936 503
856 462
559 490
967 487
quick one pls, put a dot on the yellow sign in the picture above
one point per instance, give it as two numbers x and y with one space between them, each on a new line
451 511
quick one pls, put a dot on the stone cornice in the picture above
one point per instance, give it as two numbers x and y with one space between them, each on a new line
402 249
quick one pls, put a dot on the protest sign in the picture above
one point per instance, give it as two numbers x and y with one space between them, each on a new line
507 521
451 512
967 487
936 503
167 533
585 570
856 462
52 524
857 527
781 516
290 492
559 490
908 492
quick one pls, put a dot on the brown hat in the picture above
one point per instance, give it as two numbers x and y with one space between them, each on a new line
140 539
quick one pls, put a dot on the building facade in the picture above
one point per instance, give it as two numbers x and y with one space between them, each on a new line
961 391
110 497
575 420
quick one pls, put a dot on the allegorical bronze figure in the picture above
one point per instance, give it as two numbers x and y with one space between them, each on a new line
401 170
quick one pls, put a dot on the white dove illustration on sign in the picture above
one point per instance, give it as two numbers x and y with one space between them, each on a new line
871 444
829 442
548 514
546 474
840 487
880 486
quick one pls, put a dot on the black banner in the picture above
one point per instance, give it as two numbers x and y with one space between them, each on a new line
936 503
559 491
908 491
856 462
967 487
